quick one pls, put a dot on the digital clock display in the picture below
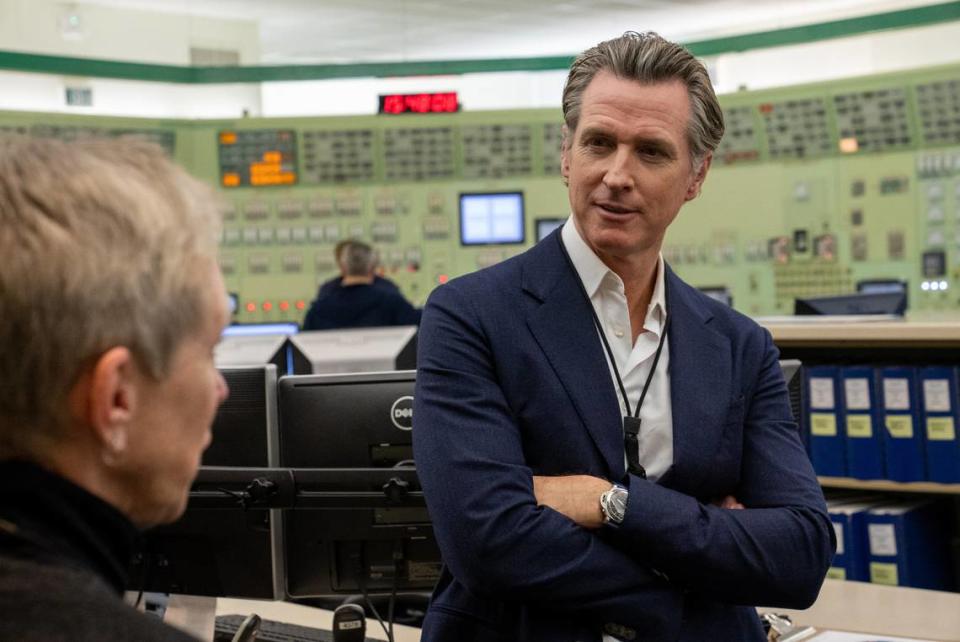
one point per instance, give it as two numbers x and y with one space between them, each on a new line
433 103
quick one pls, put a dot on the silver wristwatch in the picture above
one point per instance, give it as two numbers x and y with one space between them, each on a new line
613 504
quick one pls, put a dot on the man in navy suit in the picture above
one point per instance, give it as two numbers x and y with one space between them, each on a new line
606 452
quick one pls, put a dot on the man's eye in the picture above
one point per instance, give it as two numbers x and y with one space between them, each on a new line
597 142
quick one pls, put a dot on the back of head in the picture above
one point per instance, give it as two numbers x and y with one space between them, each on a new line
359 259
649 59
104 244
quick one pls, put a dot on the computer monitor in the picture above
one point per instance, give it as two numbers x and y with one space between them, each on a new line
888 303
492 218
245 426
792 375
719 293
285 328
355 350
546 225
255 344
219 548
349 440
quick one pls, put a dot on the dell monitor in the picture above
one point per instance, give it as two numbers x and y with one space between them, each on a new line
218 547
349 439
493 218
886 303
355 350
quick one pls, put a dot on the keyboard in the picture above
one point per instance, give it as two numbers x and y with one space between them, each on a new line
272 631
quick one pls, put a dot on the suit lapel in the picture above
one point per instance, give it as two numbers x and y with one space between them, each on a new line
563 327
700 388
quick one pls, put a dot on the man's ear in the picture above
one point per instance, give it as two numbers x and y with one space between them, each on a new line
693 190
565 145
104 398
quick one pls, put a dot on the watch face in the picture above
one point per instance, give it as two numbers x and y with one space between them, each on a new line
618 504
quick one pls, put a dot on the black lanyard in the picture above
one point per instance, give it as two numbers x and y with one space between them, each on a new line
631 421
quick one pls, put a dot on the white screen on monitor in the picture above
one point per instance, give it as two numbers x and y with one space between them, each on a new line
488 219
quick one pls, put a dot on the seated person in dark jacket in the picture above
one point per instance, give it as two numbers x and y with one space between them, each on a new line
328 287
357 302
111 303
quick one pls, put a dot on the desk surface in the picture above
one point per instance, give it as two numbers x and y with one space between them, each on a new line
307 616
890 610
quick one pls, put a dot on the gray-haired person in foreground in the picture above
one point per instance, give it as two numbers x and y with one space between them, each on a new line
111 303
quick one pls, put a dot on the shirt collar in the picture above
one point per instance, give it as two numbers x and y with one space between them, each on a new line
592 270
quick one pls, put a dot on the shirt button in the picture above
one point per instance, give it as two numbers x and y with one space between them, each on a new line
618 331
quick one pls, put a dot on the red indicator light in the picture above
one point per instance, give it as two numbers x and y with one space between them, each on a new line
267 306
251 307
284 305
442 278
301 305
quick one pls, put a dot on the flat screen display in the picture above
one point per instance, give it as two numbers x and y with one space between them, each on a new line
258 329
491 218
547 225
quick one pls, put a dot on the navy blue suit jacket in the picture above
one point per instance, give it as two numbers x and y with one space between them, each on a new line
513 382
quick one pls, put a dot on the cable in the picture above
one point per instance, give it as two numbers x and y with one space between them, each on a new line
376 614
397 558
362 580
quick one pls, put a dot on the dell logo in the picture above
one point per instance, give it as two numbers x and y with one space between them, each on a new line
401 413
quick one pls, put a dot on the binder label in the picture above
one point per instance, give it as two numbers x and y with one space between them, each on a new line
821 393
823 424
837 573
936 395
900 426
838 529
896 394
859 426
941 429
857 393
883 573
883 540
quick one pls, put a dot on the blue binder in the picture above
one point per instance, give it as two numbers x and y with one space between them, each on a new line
909 545
863 426
903 437
938 386
849 518
823 408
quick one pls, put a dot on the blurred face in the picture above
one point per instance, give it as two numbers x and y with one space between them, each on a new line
172 428
628 165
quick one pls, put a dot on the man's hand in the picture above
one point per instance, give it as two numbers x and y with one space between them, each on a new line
729 502
574 496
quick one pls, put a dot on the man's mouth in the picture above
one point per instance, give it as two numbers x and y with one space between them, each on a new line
614 208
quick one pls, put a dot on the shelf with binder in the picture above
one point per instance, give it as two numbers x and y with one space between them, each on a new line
886 486
881 421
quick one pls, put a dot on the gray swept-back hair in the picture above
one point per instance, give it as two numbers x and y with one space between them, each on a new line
648 58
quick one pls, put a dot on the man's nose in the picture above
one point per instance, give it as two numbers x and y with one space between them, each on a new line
223 390
619 174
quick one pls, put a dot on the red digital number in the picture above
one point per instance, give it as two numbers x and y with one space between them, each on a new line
444 103
393 104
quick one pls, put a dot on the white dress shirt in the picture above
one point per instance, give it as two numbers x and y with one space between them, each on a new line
633 359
